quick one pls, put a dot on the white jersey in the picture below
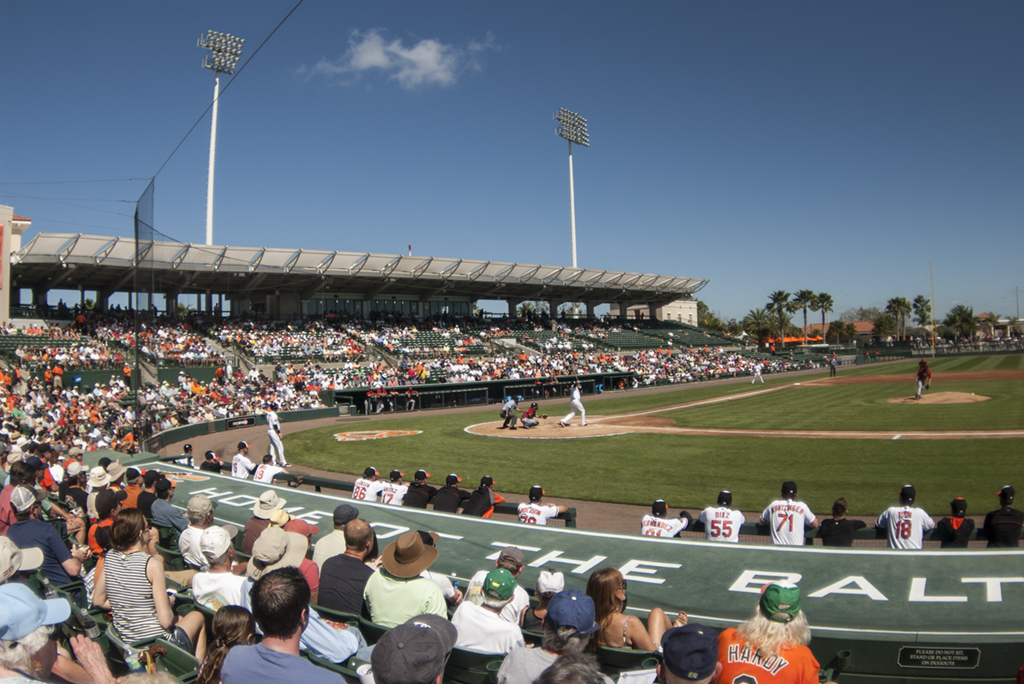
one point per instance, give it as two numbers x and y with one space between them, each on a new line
241 466
787 519
273 423
393 493
575 395
366 490
266 473
906 526
721 524
653 526
536 514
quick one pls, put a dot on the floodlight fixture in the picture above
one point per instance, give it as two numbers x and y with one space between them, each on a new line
573 128
225 50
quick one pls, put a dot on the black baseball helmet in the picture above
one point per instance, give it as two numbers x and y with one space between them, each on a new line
533 405
187 448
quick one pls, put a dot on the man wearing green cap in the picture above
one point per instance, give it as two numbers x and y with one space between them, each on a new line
480 627
771 647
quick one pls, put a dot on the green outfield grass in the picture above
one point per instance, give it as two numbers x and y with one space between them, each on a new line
689 471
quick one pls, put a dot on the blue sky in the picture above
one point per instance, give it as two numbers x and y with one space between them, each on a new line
835 146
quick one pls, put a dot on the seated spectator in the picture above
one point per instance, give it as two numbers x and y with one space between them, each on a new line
536 512
1002 526
396 592
581 668
133 587
778 632
955 531
568 623
280 606
222 584
29 531
414 652
343 577
334 543
607 588
451 594
839 530
268 503
450 497
549 583
689 654
480 627
148 494
200 517
512 559
14 559
232 626
72 489
133 487
277 548
164 514
27 649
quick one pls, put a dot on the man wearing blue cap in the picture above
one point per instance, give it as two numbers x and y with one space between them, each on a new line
690 654
24 613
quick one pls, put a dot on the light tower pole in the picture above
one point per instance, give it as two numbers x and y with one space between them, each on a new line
224 52
573 128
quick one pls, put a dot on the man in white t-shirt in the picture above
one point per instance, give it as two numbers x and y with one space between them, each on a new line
512 559
787 518
241 466
721 523
536 512
905 524
219 586
267 471
658 524
480 627
368 486
393 492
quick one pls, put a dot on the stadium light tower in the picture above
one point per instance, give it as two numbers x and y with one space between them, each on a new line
224 52
573 128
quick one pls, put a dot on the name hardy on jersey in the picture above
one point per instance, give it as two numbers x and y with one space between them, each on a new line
774 663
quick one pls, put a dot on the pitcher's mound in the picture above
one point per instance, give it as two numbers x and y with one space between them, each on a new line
941 398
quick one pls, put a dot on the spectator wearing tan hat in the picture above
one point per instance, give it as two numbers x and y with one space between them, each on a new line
278 548
200 516
268 502
480 627
73 486
14 559
99 479
396 592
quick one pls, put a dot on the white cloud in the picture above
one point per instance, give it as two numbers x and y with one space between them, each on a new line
420 65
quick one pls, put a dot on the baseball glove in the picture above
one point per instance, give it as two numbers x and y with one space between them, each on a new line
928 385
544 415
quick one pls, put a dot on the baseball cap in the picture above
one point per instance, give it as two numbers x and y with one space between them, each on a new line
74 468
162 485
513 553
345 514
486 481
499 584
187 448
414 651
725 498
24 498
107 500
452 479
370 471
789 487
958 506
301 527
214 542
690 652
14 559
24 612
151 477
659 508
780 601
199 505
268 502
242 445
908 493
549 581
421 475
35 462
429 538
75 451
1006 494
210 456
536 491
396 475
132 474
572 608
275 549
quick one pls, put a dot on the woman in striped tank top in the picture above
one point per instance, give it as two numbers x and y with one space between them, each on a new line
133 587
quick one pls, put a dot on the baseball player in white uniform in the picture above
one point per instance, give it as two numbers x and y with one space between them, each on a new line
575 404
241 466
658 524
757 373
274 432
535 512
266 472
721 523
788 517
368 486
393 492
905 524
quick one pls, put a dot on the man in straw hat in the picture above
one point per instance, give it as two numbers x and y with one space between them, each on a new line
396 592
268 502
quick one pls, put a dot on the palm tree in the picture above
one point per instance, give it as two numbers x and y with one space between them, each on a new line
825 304
961 318
779 305
922 310
898 308
758 324
802 300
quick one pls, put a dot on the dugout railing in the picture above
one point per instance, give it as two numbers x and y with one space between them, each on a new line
865 533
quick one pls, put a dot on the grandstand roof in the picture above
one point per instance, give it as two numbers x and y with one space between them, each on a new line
106 264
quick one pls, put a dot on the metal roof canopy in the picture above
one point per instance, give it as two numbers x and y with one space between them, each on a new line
95 262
